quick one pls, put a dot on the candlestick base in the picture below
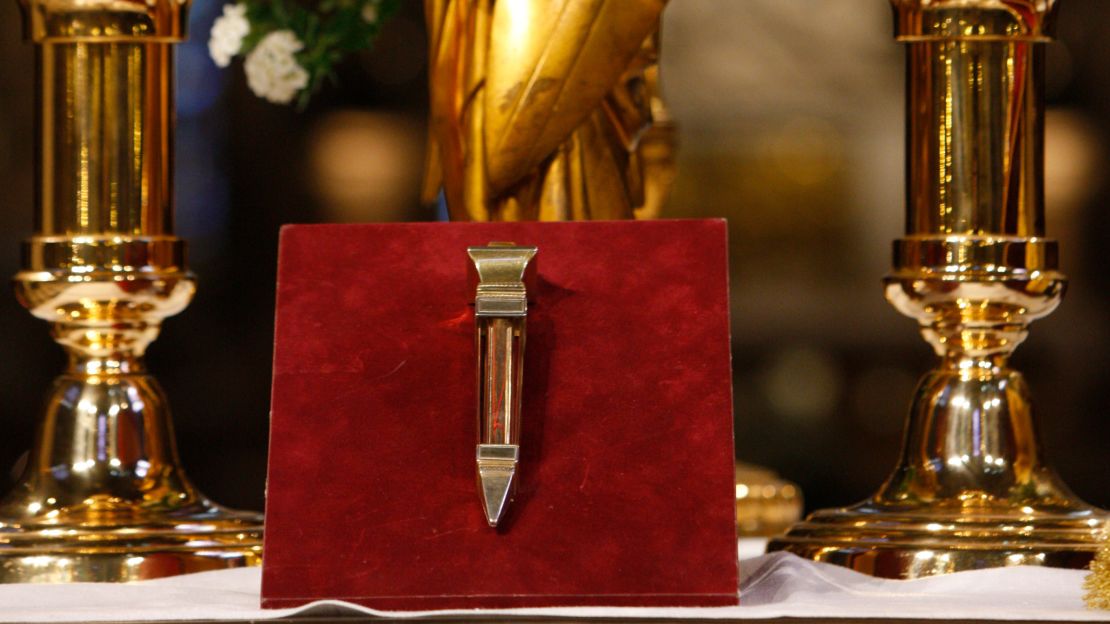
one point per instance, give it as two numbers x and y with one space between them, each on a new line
194 538
912 541
971 490
103 496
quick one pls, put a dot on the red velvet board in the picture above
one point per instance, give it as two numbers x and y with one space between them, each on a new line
626 490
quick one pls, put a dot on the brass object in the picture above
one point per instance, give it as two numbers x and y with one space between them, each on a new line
1097 582
103 497
766 505
553 110
657 148
538 108
971 489
503 276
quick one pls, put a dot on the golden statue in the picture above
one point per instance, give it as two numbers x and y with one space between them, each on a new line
541 109
551 110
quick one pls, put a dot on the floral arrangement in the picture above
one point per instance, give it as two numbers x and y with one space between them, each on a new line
291 47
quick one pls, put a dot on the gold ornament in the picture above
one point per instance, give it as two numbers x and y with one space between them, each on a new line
539 108
534 117
1097 582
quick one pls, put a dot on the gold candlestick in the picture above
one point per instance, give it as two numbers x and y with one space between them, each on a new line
971 489
103 497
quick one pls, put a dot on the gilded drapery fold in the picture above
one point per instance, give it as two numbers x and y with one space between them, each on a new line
538 106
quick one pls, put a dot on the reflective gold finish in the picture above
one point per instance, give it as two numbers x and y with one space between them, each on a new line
1097 582
657 149
503 276
104 21
766 505
971 489
538 108
103 497
553 110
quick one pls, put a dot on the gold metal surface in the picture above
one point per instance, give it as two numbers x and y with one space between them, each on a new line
766 504
657 149
103 497
553 110
971 489
1097 582
538 108
104 21
503 276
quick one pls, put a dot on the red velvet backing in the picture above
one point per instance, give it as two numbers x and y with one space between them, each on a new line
625 494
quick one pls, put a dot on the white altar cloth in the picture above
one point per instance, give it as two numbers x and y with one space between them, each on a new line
776 585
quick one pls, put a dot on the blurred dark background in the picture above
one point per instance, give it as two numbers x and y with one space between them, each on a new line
791 127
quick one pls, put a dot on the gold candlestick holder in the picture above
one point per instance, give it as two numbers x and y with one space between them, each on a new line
103 497
971 489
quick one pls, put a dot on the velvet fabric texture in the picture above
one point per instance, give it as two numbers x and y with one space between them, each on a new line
625 492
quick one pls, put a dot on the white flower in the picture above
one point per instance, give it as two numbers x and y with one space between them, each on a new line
370 11
227 34
272 69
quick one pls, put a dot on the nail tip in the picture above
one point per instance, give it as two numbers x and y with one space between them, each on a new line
497 482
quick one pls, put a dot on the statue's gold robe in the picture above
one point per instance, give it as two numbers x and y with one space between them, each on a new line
538 107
